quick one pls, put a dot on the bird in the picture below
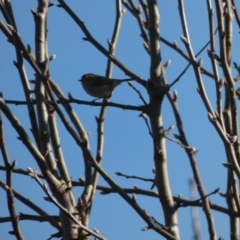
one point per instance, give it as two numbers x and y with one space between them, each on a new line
100 86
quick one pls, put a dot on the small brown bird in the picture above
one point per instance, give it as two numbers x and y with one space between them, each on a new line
99 86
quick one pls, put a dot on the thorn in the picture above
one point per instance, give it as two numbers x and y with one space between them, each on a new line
15 64
70 96
35 14
235 65
47 199
109 43
96 231
50 4
123 11
170 128
30 170
175 44
167 64
130 83
200 62
214 55
29 48
81 180
145 228
175 95
14 163
227 165
153 185
184 40
52 57
143 115
146 45
177 136
179 196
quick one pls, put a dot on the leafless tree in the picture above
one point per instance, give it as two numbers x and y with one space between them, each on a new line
46 101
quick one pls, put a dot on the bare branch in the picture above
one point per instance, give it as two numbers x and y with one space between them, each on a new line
70 215
9 191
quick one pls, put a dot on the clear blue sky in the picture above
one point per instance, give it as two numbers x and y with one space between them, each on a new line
128 146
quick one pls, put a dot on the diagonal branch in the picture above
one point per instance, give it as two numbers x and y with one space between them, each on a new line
9 191
70 215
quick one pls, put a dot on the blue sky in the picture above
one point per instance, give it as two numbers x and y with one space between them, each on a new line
128 146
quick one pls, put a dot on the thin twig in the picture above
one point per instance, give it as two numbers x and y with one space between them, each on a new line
135 177
198 200
189 64
9 191
70 215
138 92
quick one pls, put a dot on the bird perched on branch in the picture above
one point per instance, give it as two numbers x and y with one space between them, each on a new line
99 86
